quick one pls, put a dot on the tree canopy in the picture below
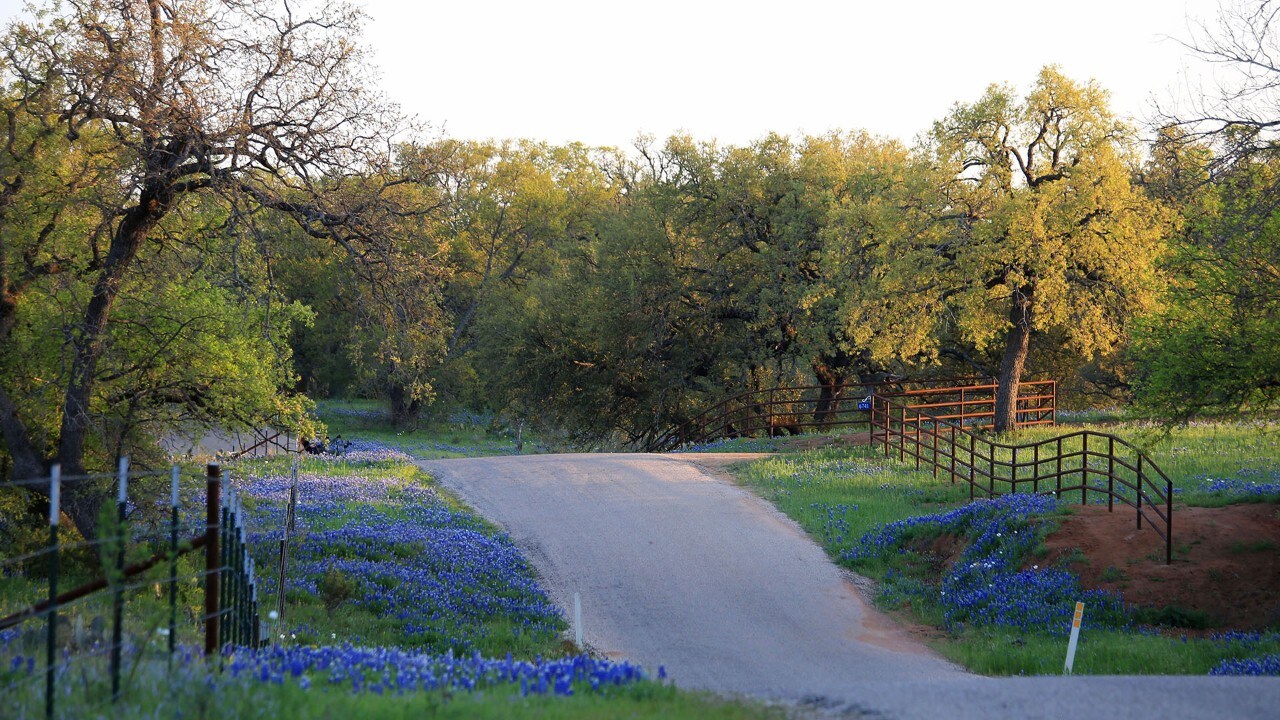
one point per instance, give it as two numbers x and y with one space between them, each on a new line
145 141
208 218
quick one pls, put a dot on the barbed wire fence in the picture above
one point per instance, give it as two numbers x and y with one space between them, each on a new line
148 560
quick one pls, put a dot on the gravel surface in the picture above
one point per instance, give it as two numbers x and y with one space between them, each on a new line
678 567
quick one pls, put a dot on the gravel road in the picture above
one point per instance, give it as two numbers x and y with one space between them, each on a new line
676 566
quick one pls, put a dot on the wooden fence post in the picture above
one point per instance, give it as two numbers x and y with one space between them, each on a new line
212 555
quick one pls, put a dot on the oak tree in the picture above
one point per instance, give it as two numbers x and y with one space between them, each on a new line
1037 228
255 106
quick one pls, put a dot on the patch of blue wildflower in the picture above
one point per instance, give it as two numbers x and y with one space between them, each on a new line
391 670
987 584
439 574
835 520
1247 483
1261 665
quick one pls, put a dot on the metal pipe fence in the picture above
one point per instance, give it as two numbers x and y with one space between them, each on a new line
156 572
795 409
1084 461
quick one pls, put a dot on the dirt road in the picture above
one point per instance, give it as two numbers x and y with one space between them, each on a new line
677 566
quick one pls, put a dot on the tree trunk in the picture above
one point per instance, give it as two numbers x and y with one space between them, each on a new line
83 499
404 408
1016 346
830 379
27 462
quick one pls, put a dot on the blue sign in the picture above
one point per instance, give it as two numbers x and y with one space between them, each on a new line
865 403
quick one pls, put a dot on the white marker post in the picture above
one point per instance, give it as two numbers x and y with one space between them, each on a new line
1075 637
122 494
577 620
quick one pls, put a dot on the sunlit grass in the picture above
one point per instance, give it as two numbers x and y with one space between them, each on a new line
1191 455
466 435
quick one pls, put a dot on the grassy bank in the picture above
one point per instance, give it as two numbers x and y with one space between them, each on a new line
975 574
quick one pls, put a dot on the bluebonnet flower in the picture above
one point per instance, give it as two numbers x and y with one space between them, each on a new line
438 571
1261 665
1242 484
986 586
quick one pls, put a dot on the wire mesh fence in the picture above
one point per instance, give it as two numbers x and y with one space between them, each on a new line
158 586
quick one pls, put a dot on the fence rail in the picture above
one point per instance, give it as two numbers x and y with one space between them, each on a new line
1084 461
795 409
266 444
230 604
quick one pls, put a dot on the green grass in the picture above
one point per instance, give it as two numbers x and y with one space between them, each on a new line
467 436
994 651
871 489
1189 454
154 690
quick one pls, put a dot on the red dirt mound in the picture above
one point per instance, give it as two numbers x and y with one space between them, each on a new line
1226 561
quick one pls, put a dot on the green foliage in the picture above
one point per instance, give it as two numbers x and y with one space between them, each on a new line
136 290
335 588
1210 348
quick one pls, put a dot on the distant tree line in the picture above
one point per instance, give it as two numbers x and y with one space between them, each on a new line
206 218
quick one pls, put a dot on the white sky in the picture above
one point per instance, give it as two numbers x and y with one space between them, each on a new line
603 71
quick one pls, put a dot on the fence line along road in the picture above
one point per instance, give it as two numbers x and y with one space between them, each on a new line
792 410
230 605
1084 461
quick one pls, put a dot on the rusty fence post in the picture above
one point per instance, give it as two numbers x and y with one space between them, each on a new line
1111 473
973 464
954 451
1035 475
1140 484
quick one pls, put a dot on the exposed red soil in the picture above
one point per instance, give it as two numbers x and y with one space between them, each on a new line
1226 561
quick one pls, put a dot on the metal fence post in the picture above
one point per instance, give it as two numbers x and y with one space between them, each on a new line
212 553
117 629
1013 469
1035 475
1140 483
954 452
973 464
1111 473
1084 472
1057 493
173 562
55 490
